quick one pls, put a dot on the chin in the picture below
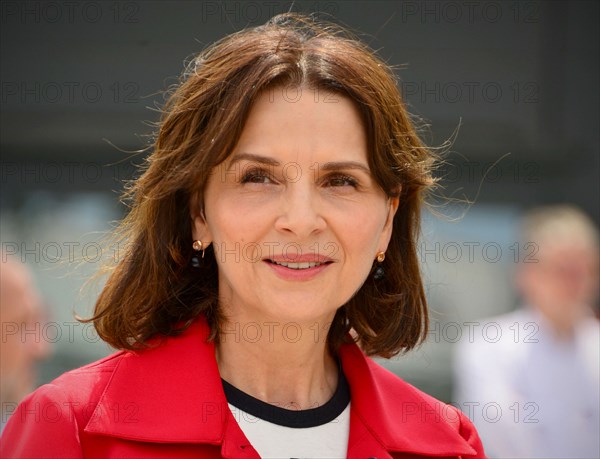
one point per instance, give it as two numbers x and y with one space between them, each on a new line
302 312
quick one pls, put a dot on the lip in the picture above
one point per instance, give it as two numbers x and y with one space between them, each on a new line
302 258
298 274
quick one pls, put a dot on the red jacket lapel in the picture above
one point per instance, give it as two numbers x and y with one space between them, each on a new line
397 416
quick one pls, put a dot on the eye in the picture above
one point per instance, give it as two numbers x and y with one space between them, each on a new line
341 181
256 176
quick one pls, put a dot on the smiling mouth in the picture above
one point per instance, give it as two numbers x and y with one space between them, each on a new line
299 266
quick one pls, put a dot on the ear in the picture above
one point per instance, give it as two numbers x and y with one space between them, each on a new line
524 278
200 230
386 234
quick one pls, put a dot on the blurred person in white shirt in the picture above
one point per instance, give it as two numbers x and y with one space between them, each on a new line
23 346
531 385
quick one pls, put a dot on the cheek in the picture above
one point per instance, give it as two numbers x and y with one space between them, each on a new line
236 236
361 231
11 353
234 219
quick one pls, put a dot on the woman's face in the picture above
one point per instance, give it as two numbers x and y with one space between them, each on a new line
294 214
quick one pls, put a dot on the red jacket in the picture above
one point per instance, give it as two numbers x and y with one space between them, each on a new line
168 402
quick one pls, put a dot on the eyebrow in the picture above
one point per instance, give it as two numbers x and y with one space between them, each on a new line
330 166
252 157
344 165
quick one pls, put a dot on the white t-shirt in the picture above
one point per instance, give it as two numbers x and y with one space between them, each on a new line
277 432
529 394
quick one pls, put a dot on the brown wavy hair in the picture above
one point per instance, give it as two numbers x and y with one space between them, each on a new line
153 289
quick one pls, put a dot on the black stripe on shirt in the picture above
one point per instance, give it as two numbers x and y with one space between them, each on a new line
312 417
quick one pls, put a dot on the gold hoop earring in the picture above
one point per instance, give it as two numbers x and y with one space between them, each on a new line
380 256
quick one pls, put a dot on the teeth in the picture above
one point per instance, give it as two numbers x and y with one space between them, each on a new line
304 265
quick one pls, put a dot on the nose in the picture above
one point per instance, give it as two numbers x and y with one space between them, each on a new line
40 349
300 212
38 346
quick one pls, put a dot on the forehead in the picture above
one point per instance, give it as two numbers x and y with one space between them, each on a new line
304 121
567 252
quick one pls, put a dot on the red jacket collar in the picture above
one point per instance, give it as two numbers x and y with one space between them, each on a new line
176 394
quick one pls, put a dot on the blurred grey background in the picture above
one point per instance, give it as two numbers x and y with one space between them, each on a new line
80 82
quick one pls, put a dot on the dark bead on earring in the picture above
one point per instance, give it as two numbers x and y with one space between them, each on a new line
195 261
379 273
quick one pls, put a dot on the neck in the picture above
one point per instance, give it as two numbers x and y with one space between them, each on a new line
562 326
284 364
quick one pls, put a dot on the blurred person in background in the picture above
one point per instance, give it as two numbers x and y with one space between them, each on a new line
23 346
532 384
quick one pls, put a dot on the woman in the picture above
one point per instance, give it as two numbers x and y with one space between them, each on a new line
271 245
